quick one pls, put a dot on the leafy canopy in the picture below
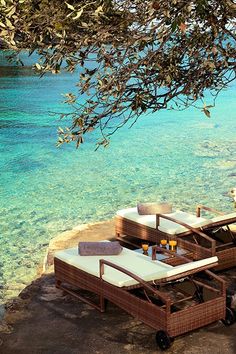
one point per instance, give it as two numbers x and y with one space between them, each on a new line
135 55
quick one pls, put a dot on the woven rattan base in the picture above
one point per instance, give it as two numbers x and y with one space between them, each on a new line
187 305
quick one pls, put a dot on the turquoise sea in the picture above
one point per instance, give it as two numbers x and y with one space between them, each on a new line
181 157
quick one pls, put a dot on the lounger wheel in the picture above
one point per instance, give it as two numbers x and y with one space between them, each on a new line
163 340
229 317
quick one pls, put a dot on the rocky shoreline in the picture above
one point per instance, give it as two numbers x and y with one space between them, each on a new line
66 239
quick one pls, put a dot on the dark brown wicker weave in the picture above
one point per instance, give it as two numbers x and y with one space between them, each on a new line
155 305
202 243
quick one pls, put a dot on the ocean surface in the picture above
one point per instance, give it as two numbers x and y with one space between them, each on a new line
183 157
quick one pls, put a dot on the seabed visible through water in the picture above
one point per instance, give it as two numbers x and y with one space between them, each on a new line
183 157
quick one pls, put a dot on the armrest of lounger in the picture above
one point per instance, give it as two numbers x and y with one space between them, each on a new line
193 229
146 286
220 280
203 207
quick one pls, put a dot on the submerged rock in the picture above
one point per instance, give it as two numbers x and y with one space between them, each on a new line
225 149
221 164
233 174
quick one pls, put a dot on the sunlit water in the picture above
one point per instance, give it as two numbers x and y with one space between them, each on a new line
181 157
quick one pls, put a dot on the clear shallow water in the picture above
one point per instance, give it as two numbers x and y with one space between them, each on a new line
180 157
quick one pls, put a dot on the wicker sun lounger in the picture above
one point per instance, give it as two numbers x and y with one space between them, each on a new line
201 236
149 290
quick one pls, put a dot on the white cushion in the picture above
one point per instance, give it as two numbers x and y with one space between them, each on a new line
137 263
224 217
127 259
190 266
166 226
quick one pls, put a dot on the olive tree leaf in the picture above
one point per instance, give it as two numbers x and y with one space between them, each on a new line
78 14
207 112
71 7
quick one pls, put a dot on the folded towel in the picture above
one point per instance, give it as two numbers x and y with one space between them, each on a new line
154 208
99 248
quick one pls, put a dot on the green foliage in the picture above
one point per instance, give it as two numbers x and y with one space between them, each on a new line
135 55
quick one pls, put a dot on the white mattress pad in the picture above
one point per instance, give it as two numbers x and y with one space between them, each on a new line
165 226
222 218
136 263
